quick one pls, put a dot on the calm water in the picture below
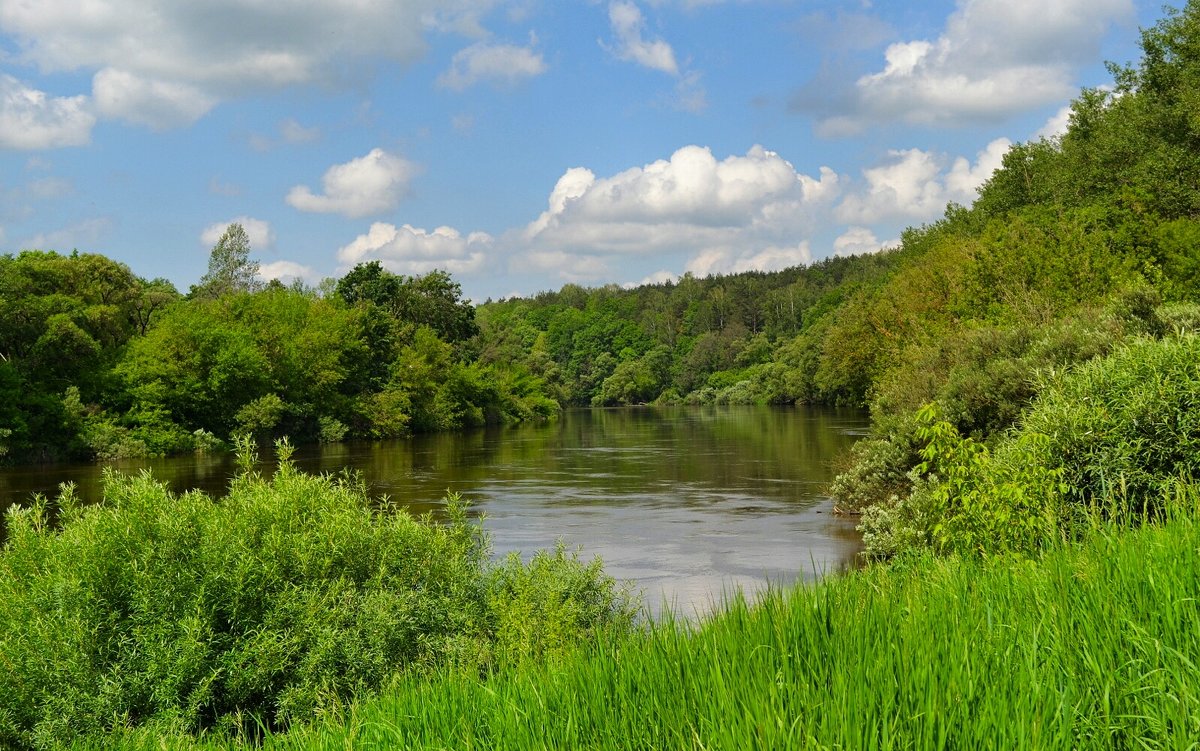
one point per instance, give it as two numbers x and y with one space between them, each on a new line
687 503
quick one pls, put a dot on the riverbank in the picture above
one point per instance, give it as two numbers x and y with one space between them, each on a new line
682 502
1094 645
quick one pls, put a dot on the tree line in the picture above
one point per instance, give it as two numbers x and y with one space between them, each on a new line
98 362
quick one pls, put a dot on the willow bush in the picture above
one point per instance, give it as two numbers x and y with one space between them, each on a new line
1112 435
283 601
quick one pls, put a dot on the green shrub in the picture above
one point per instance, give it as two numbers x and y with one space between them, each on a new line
331 430
281 602
541 608
878 472
967 500
981 380
204 442
1127 424
1113 435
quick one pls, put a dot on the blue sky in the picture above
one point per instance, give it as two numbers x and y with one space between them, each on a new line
522 145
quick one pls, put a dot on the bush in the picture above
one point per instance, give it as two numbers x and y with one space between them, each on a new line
967 500
1114 436
981 381
283 601
1128 423
878 471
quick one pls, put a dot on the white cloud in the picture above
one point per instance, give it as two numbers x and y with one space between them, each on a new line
48 188
658 277
411 250
295 133
504 64
1057 125
286 271
739 213
158 104
173 50
30 119
691 189
570 267
259 231
291 133
85 233
218 188
627 26
916 185
860 240
371 184
963 180
729 261
994 58
690 94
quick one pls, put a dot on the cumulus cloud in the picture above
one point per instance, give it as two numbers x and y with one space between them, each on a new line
218 188
290 132
570 267
859 240
690 94
917 185
658 277
158 62
294 133
501 64
994 58
158 104
730 261
630 45
691 193
411 250
86 233
30 119
48 188
964 179
1057 125
738 213
287 271
259 231
371 184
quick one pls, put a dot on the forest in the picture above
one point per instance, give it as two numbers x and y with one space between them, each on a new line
1031 364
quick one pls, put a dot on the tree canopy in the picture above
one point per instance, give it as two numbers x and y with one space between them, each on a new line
230 269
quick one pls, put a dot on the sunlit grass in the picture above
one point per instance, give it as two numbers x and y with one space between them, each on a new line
1097 645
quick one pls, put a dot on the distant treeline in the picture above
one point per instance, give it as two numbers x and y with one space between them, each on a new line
1023 357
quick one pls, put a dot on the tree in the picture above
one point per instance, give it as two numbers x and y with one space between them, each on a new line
433 300
230 270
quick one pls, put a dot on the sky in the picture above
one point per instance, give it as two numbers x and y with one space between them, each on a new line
525 144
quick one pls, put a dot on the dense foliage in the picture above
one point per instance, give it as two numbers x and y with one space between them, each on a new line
280 602
97 362
1095 646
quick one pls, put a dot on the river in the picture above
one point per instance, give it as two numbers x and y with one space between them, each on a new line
687 503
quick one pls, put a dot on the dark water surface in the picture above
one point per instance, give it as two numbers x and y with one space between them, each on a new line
686 502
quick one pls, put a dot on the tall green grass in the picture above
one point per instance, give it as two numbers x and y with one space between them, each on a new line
1094 646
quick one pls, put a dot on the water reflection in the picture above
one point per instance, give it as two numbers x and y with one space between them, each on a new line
685 502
